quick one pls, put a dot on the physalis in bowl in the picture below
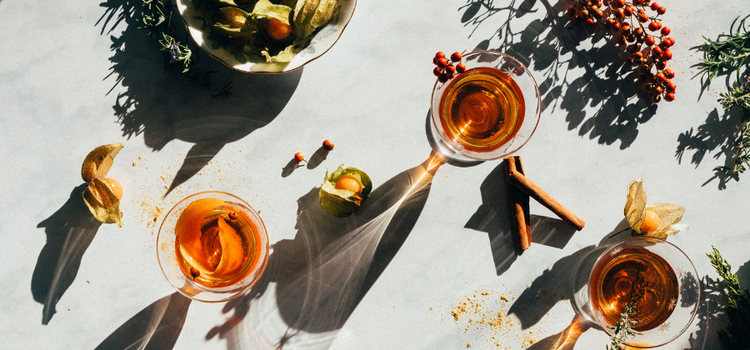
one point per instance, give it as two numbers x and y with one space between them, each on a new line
658 220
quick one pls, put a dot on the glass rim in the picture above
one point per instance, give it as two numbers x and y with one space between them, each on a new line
435 115
258 270
658 241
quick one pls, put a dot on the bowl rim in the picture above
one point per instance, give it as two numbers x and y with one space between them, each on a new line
283 71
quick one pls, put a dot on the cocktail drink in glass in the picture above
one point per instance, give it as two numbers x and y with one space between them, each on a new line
653 276
487 112
212 246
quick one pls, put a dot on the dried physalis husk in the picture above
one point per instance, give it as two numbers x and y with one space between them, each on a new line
344 202
98 161
635 209
99 197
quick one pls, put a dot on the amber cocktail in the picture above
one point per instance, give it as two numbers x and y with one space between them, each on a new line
487 112
212 246
657 278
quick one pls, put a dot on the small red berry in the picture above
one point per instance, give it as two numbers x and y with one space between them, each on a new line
442 62
671 87
450 75
654 26
589 21
669 97
299 157
657 51
650 40
440 54
669 73
628 11
328 145
460 68
620 3
661 10
654 5
665 31
450 69
660 77
667 55
456 56
443 77
437 71
658 90
661 64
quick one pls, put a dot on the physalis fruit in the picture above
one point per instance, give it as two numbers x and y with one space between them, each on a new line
658 220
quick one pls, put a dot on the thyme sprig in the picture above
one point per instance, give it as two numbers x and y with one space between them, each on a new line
624 328
731 53
157 19
736 335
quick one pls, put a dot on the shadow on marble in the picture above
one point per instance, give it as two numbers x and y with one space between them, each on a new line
155 101
155 327
69 231
493 217
573 74
314 282
716 135
562 281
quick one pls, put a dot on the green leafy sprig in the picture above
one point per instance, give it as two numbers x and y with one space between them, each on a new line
731 53
624 328
736 335
156 18
728 52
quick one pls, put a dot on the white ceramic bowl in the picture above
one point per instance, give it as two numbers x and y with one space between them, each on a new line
320 43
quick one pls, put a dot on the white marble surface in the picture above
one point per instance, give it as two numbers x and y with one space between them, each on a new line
75 75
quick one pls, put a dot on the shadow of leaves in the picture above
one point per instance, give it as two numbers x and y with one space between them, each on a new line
578 69
70 231
716 135
160 104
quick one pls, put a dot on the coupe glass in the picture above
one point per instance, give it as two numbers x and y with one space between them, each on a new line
169 258
679 308
475 129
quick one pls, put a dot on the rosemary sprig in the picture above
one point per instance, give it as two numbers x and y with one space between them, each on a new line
736 335
731 53
623 329
727 52
156 18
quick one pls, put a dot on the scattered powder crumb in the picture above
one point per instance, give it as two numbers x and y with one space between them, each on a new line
485 319
135 163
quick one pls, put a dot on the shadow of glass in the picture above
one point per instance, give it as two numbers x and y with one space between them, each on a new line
554 48
314 282
156 327
564 281
493 217
70 231
163 106
717 135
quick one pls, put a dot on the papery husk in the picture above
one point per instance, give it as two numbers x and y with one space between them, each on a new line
339 202
309 15
98 161
102 202
635 208
635 205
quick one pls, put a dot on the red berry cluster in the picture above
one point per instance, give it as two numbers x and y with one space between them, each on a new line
637 32
445 67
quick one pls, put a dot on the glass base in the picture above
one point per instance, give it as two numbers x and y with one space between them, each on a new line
581 299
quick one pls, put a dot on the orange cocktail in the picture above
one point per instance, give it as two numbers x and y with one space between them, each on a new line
212 246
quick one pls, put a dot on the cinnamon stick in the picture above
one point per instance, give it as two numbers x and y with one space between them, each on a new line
520 181
518 203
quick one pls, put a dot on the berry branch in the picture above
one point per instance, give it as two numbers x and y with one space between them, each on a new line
637 31
445 69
